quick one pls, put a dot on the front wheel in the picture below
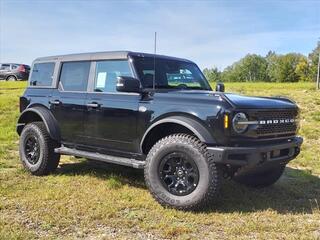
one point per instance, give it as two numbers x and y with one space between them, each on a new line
260 179
36 149
180 173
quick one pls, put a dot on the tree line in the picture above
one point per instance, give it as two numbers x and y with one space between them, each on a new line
290 67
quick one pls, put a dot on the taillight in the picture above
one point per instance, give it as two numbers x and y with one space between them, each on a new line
21 68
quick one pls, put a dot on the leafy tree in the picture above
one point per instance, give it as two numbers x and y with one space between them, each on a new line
212 74
272 61
251 68
291 67
285 69
254 68
303 70
230 74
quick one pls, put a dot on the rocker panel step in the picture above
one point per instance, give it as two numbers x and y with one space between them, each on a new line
130 162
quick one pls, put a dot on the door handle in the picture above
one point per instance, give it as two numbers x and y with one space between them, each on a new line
93 105
55 102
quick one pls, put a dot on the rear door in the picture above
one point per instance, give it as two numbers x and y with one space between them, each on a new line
111 117
68 101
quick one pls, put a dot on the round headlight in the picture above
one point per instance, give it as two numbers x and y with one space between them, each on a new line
239 123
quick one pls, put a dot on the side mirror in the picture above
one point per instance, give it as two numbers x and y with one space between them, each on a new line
128 84
220 87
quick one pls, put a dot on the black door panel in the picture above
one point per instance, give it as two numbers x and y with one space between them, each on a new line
68 103
68 108
110 120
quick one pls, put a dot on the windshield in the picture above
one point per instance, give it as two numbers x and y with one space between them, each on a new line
170 74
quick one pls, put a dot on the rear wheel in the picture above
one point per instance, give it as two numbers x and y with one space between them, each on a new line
37 149
260 179
180 173
11 78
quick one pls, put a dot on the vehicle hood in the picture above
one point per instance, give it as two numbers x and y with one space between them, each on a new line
240 101
189 97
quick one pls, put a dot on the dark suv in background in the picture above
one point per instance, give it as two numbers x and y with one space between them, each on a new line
157 113
14 71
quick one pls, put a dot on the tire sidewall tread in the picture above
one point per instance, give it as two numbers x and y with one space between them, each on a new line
48 160
209 173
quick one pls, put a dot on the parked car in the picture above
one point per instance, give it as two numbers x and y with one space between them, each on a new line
14 71
141 110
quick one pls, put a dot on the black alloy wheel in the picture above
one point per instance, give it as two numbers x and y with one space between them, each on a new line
32 149
179 174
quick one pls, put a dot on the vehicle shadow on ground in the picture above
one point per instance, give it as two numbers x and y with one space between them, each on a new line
296 192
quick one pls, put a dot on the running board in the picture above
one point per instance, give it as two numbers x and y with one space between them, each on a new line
130 162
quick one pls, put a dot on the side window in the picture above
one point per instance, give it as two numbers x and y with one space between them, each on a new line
74 76
107 73
42 74
14 66
5 67
182 77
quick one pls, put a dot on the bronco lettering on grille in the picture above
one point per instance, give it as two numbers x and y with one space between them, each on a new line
276 121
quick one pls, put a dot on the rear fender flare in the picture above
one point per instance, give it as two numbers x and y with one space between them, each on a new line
45 115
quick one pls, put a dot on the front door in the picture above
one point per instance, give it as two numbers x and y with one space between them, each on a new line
68 101
111 117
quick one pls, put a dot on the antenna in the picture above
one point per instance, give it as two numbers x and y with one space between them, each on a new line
154 61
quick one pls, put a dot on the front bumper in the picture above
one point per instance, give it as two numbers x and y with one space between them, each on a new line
280 153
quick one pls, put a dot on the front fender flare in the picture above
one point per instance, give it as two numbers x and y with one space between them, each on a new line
193 125
45 115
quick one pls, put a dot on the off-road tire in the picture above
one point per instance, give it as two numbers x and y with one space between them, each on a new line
262 178
209 173
48 160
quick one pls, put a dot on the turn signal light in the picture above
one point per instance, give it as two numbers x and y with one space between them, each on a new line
226 121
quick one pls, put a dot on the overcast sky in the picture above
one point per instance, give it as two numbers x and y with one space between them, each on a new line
211 33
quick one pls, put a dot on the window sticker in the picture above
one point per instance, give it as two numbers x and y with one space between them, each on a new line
101 80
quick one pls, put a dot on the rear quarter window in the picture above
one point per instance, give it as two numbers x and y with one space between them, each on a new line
5 67
42 74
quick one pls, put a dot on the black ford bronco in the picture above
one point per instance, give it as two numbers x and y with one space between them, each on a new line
158 113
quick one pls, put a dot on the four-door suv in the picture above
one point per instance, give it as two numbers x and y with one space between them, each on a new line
14 71
158 113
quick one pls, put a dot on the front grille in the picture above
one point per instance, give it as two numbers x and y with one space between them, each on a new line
277 129
286 128
276 114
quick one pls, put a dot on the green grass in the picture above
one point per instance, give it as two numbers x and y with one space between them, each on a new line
90 200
